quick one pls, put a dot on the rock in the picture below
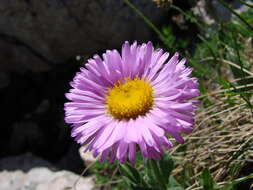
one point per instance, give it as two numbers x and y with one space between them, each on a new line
17 57
4 79
36 35
71 160
200 10
41 178
26 135
33 116
43 107
12 180
28 172
66 180
87 157
222 13
23 162
211 11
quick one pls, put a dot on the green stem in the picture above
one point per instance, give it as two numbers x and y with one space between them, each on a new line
209 47
245 98
158 174
247 4
235 13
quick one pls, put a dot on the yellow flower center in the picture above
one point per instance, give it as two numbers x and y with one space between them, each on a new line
130 98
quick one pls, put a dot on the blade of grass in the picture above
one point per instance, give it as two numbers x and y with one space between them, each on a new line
235 13
243 96
247 4
227 62
189 17
208 46
146 20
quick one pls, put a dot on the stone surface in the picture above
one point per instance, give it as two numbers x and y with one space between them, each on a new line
28 172
26 134
211 11
23 162
4 79
222 13
33 116
36 35
87 157
43 179
71 160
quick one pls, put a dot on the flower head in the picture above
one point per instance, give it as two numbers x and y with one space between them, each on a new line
131 101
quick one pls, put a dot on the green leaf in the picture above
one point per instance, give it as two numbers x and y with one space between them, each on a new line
146 188
131 174
173 182
154 174
175 188
166 165
207 180
150 174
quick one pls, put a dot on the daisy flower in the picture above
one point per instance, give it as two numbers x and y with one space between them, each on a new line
133 101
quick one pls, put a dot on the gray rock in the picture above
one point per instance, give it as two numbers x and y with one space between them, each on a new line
222 13
17 57
28 172
65 180
38 34
43 179
211 11
26 134
87 157
23 162
71 160
4 79
200 9
12 180
43 107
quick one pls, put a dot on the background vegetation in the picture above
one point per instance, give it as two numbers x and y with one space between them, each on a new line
219 153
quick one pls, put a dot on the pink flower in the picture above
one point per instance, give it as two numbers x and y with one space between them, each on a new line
133 101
